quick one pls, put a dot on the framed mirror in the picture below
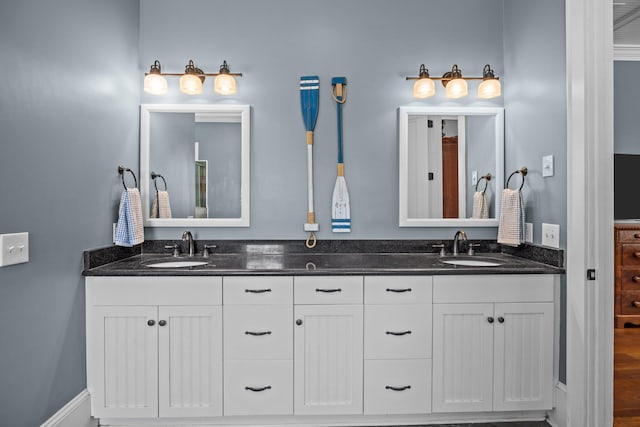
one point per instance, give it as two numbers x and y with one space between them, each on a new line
451 166
201 155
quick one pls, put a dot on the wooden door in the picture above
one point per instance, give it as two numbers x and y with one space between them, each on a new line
450 177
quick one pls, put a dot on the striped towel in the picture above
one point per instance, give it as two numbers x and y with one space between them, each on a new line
161 208
480 205
130 230
511 227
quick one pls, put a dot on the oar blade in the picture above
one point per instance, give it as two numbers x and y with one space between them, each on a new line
340 207
309 100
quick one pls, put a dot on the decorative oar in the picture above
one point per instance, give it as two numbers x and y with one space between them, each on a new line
309 89
340 208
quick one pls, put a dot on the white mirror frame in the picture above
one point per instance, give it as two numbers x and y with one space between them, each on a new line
223 113
403 140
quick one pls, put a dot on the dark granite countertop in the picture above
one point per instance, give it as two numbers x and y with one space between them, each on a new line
332 258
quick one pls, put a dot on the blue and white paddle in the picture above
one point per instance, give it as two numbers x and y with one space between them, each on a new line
309 89
340 206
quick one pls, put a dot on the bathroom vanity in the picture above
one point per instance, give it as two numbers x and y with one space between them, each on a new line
334 338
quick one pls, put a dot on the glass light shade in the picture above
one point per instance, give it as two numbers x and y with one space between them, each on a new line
456 88
424 88
224 84
155 84
489 88
190 84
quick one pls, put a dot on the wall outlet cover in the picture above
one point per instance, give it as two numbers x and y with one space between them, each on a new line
551 235
547 166
14 248
528 232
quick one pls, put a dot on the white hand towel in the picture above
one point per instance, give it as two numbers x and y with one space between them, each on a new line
480 205
511 227
130 229
161 207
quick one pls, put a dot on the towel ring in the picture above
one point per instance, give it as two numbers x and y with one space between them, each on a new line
121 171
155 183
522 171
486 178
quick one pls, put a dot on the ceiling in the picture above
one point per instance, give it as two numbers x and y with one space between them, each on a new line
626 22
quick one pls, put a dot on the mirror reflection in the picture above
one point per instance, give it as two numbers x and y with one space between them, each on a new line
450 164
202 154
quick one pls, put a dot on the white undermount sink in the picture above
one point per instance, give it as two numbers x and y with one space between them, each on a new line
472 262
176 264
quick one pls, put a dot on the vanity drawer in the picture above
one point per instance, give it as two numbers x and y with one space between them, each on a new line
493 288
328 290
397 386
397 289
630 280
258 290
628 236
397 332
631 255
258 387
258 332
630 302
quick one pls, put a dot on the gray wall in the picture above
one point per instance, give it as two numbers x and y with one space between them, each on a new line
374 43
535 116
626 95
68 117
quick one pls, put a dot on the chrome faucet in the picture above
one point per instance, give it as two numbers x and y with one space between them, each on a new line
460 234
189 237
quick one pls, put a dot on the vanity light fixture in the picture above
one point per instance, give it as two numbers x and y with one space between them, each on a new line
455 84
191 80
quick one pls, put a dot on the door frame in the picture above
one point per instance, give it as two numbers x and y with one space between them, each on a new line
589 54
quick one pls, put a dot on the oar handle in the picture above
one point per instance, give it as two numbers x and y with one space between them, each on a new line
340 155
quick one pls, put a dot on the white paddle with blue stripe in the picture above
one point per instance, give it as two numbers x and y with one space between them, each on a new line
309 89
340 206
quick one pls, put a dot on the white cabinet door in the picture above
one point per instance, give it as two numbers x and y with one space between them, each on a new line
523 363
328 364
462 357
125 343
190 362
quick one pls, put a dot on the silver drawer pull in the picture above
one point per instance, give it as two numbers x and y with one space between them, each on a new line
398 290
407 387
397 334
257 291
258 389
328 291
257 334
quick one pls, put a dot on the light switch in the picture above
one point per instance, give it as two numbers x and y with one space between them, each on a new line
474 177
528 232
547 166
551 235
15 248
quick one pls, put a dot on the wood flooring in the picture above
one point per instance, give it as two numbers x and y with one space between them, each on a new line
626 373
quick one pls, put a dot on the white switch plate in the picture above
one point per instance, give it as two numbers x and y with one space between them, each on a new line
551 235
528 232
15 248
474 177
547 165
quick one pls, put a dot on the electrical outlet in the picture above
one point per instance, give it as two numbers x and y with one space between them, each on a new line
528 232
551 235
547 166
14 248
115 225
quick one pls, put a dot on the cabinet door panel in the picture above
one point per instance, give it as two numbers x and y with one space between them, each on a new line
462 357
258 332
523 356
328 359
190 348
126 351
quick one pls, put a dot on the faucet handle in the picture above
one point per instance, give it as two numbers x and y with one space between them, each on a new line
205 251
441 246
176 249
471 246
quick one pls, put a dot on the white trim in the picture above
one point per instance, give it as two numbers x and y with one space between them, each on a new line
559 415
589 51
626 52
76 413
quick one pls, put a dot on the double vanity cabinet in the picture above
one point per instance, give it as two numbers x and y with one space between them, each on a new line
323 349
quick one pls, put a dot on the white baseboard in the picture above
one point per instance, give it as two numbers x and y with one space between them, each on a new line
558 418
76 413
